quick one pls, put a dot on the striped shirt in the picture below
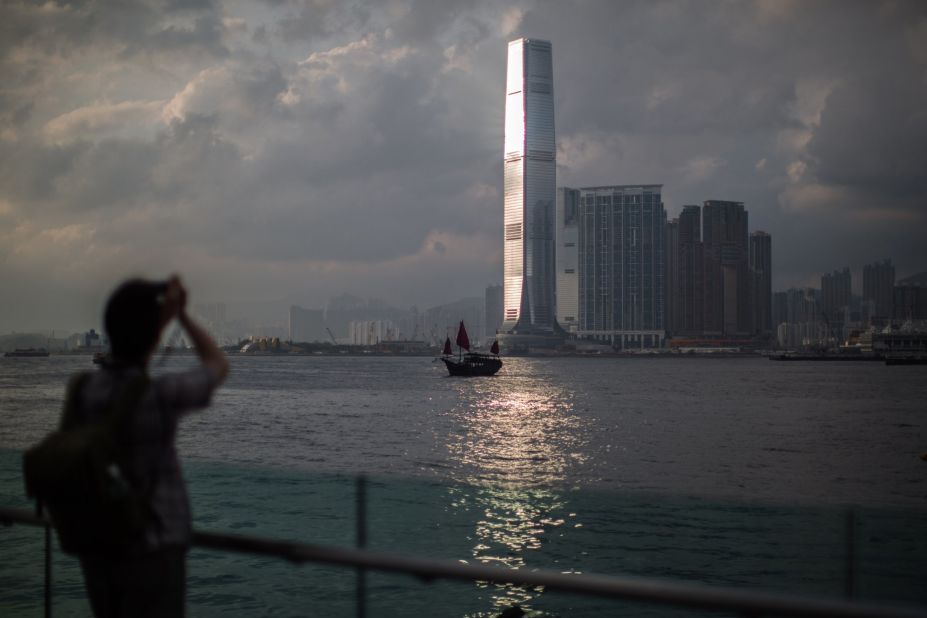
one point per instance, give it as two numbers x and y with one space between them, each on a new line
150 461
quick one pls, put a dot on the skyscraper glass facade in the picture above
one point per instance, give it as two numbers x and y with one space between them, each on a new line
761 270
621 287
727 307
529 181
566 232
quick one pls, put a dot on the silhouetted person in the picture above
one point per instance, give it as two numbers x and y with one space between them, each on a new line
147 578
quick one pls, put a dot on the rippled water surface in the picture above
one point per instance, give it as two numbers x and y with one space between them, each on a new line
732 471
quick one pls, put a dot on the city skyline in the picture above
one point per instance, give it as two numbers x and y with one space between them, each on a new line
292 153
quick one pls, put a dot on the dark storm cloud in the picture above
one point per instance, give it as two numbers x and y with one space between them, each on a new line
357 144
138 26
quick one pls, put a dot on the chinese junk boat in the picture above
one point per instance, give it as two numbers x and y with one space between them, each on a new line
470 363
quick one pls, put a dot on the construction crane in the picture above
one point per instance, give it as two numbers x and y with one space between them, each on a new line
330 334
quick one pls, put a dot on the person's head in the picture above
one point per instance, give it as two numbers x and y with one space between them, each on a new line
134 318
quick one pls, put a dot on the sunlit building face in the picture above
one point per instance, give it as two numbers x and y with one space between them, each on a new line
530 186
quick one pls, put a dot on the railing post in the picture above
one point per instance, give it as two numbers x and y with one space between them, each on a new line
851 553
361 529
48 561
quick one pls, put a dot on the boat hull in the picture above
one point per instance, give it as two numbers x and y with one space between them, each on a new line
30 353
473 365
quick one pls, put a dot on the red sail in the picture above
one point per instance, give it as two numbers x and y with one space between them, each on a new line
462 340
447 347
495 347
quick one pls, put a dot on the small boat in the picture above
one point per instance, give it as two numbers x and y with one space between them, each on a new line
27 353
470 363
902 359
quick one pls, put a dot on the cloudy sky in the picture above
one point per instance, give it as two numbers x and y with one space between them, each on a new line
297 150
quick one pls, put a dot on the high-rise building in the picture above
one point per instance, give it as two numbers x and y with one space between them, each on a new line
690 280
727 307
371 332
878 281
529 181
799 318
566 235
835 294
493 309
671 277
621 265
761 272
910 299
780 305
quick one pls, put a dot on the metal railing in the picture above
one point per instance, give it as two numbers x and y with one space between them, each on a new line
691 596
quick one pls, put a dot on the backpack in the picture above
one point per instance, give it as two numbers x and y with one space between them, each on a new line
75 473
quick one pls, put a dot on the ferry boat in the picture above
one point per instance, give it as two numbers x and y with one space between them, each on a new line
470 363
27 353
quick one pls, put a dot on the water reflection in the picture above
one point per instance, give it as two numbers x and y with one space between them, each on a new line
516 439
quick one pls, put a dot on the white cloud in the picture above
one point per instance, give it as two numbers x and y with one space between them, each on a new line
105 120
702 168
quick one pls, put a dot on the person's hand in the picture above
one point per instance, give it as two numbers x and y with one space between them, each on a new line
175 298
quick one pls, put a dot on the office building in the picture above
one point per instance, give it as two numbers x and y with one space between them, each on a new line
727 307
800 322
529 181
371 332
620 249
910 301
566 235
835 295
689 279
878 282
670 277
761 274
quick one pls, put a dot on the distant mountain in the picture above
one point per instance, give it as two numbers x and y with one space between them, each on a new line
919 280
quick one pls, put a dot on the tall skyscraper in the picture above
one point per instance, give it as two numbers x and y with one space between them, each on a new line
835 294
566 234
621 265
728 310
671 277
690 280
878 282
529 180
761 271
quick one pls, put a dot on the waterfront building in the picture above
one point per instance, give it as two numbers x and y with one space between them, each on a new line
727 307
878 284
910 303
761 273
371 332
566 235
836 295
671 277
620 249
529 182
801 326
492 320
306 324
689 278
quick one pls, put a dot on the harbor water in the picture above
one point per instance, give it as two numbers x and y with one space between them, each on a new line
798 477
